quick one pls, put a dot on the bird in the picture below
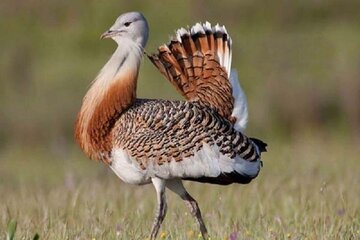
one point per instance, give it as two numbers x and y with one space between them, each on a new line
166 142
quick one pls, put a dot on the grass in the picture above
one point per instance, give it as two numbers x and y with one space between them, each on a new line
305 50
306 190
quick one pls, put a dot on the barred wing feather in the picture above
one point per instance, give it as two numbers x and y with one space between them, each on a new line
198 63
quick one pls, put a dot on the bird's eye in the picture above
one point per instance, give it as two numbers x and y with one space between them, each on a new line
127 24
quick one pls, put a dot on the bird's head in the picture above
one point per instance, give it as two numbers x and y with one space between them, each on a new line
131 25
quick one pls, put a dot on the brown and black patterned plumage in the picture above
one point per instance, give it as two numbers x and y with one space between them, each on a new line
163 131
162 141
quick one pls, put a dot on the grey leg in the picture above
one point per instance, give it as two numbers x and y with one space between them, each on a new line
159 185
177 187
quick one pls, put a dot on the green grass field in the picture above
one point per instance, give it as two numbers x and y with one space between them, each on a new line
306 190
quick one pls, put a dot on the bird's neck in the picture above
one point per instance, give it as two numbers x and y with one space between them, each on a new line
112 92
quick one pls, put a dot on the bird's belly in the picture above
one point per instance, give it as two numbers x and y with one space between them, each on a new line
127 169
208 162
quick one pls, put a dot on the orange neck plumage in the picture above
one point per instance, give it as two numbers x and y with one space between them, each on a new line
112 92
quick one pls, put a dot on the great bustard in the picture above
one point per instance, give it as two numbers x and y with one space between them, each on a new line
161 141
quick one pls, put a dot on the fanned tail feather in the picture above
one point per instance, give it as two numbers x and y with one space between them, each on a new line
198 62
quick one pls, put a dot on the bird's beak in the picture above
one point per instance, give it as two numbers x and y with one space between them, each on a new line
108 34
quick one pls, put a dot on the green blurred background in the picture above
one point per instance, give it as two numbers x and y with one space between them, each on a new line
298 62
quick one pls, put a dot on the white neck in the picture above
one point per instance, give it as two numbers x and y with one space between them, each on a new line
112 91
126 58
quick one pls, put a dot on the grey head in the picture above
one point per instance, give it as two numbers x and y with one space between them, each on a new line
131 25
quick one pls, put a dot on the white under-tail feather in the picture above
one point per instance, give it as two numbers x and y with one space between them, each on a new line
240 110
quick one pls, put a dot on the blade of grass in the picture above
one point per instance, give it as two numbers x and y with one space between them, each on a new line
36 237
11 229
